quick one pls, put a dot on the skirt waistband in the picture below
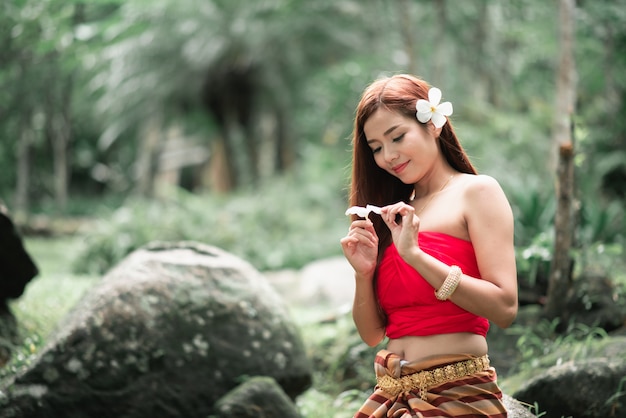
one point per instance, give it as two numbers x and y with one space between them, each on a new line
425 379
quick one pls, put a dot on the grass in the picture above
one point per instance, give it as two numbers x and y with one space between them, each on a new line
50 295
47 298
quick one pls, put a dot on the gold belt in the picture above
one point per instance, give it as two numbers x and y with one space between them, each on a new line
425 379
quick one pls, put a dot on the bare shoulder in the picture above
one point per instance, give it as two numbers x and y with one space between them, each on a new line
480 190
481 185
484 199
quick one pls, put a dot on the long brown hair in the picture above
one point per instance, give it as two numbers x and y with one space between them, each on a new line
370 183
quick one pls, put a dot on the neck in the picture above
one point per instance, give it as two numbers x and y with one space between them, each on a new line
434 186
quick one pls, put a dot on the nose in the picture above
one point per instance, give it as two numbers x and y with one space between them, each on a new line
390 154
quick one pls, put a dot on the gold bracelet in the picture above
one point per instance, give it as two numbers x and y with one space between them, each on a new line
450 284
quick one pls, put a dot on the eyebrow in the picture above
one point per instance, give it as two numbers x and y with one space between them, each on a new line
387 132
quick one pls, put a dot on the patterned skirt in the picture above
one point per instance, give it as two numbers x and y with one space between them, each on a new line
443 386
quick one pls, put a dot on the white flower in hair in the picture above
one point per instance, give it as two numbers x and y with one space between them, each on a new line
432 109
363 212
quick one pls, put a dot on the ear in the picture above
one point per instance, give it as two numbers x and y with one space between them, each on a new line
435 132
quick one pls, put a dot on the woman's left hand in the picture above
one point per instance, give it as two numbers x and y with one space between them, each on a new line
403 233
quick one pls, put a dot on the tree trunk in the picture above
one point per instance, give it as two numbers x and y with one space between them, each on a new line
60 134
148 153
218 168
560 273
61 177
22 187
235 150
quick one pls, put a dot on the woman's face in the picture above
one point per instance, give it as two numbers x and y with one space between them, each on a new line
401 145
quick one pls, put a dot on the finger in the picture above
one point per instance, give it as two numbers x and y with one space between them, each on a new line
347 242
364 225
404 212
391 216
364 237
361 223
397 208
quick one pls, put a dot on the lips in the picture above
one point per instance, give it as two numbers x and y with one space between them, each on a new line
399 168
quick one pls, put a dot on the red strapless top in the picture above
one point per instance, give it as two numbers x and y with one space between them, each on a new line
409 301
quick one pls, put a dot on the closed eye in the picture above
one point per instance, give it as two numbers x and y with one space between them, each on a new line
399 138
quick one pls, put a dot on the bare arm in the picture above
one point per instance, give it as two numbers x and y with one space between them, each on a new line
490 225
489 221
365 313
360 247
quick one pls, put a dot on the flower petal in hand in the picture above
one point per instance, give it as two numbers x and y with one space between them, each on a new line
363 212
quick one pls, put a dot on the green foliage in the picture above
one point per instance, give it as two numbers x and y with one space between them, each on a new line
122 61
239 64
598 239
534 409
342 360
316 404
22 355
533 211
614 402
542 345
602 222
533 261
47 298
287 222
605 259
343 375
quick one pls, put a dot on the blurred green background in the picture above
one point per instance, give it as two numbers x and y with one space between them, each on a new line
211 118
229 122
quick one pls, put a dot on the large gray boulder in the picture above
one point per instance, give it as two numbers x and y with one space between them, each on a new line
588 388
167 333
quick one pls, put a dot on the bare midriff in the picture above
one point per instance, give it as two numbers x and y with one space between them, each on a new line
412 348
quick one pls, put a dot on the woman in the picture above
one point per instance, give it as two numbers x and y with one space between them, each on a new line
438 263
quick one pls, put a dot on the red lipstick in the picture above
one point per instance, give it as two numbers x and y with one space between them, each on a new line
398 168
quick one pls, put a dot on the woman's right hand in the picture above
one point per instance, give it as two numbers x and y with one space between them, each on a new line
360 247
